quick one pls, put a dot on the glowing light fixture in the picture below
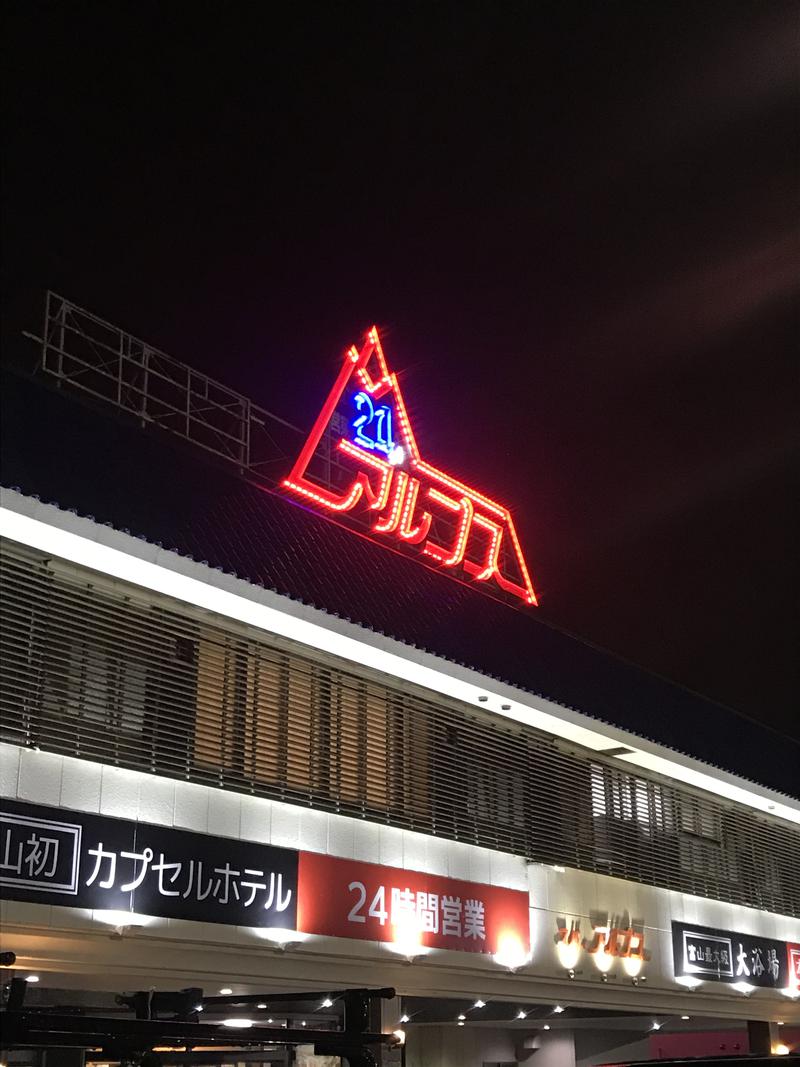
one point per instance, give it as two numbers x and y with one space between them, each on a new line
226 992
400 1035
479 1004
689 981
461 1018
557 1009
568 953
238 1024
262 1006
546 1026
657 1025
327 1003
32 978
685 1017
405 1019
460 1022
743 987
522 1014
781 1050
511 952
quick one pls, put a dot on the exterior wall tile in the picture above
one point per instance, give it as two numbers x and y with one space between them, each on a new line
458 860
366 841
341 837
157 800
391 846
9 770
509 871
286 825
415 852
120 792
313 830
191 806
438 855
81 784
40 777
224 813
480 865
256 820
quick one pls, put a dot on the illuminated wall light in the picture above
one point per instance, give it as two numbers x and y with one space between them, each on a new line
511 952
327 1003
261 1006
461 1018
781 1050
226 992
603 961
632 965
557 1010
280 936
568 954
546 1026
121 918
400 1035
689 981
792 992
685 1018
479 1004
407 939
657 1025
522 1015
405 1018
460 1023
238 1024
32 978
743 987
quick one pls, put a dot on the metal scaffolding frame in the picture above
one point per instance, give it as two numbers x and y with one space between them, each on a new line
82 351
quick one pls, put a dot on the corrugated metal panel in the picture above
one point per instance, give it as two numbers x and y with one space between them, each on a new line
98 670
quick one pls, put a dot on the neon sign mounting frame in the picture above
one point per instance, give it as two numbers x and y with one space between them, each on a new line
407 495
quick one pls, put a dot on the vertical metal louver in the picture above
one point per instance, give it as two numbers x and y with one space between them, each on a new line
102 671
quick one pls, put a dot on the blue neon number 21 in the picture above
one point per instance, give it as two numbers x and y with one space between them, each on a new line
373 426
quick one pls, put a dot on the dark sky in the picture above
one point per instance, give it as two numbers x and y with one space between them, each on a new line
576 224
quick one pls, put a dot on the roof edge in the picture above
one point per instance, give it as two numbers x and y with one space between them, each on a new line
128 558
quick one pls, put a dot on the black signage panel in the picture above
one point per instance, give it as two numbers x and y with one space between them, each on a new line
726 956
55 856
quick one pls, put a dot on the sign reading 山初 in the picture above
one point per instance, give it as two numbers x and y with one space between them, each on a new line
726 956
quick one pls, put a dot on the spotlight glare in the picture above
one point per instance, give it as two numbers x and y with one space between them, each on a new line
479 1004
327 1003
743 987
32 978
238 1024
546 1026
225 992
405 1018
557 1009
262 1006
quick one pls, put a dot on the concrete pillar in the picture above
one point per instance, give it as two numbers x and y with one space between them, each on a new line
762 1036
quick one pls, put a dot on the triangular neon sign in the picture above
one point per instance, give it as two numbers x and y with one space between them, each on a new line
361 459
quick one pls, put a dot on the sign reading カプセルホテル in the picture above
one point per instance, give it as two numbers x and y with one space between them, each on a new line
54 856
728 956
82 860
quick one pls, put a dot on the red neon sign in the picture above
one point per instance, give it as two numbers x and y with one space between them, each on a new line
387 482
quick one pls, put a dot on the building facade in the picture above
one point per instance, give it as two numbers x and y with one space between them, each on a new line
248 748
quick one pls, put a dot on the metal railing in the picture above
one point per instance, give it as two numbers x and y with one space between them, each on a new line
112 674
84 352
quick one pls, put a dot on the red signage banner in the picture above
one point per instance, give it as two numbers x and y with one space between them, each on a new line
412 910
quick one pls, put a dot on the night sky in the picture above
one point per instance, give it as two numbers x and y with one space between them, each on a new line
575 223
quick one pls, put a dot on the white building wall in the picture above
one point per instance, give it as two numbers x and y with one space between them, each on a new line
168 951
